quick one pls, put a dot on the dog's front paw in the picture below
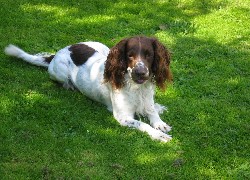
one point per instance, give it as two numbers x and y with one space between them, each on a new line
159 135
160 125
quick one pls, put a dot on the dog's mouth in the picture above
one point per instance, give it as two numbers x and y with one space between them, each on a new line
140 80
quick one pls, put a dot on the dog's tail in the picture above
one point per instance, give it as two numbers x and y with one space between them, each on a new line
38 60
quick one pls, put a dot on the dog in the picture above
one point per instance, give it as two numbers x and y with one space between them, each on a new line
123 78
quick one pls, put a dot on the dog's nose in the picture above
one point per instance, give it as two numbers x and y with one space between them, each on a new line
141 71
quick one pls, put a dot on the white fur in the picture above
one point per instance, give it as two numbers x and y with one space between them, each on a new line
88 78
12 50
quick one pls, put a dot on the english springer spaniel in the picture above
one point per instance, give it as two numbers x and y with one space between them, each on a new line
123 78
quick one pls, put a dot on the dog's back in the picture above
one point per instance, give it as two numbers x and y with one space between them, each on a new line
79 66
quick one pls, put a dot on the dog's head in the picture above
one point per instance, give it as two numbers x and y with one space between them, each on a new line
142 58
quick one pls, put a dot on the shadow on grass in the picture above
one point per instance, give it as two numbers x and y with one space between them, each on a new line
211 82
56 133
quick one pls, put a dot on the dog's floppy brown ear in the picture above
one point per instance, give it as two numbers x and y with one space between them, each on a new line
116 65
161 65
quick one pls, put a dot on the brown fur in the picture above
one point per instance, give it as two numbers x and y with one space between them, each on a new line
117 63
49 59
80 53
161 65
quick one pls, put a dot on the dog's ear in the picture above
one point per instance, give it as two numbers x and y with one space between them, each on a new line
116 65
161 65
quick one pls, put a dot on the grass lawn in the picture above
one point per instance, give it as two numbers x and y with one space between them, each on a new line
47 132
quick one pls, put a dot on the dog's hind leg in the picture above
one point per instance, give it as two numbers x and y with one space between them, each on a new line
59 70
68 85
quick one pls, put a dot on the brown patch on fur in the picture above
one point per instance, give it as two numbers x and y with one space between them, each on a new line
161 65
48 59
116 65
80 53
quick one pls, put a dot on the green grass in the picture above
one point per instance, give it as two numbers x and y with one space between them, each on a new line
47 132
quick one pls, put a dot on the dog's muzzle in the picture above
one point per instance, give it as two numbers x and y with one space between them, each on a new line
139 73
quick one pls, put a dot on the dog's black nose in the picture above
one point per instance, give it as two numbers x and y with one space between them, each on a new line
141 71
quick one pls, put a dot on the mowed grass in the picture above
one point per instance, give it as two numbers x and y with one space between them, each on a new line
47 132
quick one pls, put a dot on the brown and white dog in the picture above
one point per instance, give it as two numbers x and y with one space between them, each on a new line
123 78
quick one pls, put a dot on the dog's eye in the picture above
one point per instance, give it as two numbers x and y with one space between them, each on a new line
148 54
131 55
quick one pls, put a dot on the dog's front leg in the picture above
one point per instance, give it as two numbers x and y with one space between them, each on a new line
123 112
152 111
157 123
153 133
